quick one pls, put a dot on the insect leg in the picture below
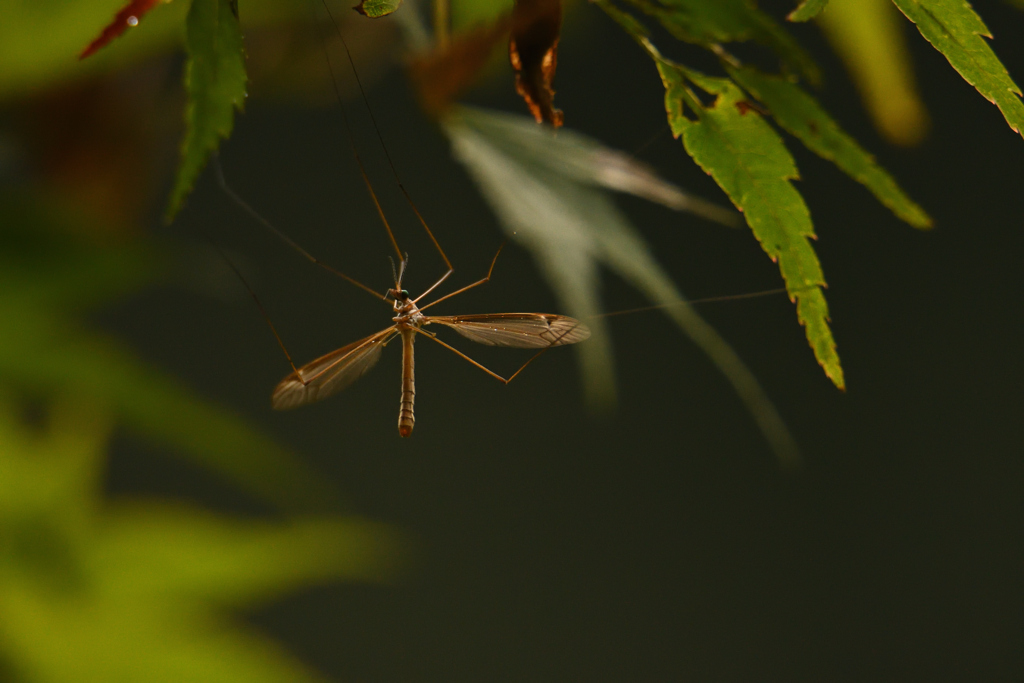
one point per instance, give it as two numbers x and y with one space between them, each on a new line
259 305
482 367
219 172
459 291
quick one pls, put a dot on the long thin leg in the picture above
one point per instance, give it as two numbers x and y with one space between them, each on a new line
487 370
259 305
287 240
692 302
350 137
380 137
459 291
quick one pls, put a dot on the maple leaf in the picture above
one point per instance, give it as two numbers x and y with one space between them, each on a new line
375 9
533 51
215 80
959 33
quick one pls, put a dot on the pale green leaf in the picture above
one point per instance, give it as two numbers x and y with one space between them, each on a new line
538 185
725 21
806 10
958 33
802 116
377 8
748 160
215 80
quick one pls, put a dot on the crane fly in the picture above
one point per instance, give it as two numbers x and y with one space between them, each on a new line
335 371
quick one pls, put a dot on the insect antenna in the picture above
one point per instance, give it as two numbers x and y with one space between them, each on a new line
394 273
401 269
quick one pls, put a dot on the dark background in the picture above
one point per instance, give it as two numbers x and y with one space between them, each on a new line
660 541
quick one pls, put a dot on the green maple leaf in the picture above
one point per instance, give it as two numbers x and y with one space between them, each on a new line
726 21
959 33
749 161
47 281
802 116
215 81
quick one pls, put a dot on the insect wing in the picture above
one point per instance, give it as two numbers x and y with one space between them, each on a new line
331 373
522 330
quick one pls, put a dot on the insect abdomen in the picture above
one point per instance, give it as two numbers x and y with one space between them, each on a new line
406 416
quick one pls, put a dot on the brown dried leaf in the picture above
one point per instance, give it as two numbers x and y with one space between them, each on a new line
533 51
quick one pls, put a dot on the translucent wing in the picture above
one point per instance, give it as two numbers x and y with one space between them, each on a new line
330 374
523 330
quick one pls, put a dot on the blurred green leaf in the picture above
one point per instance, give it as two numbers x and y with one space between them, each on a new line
377 8
46 278
808 9
546 190
802 116
45 356
749 161
92 591
725 21
469 13
870 37
957 32
215 80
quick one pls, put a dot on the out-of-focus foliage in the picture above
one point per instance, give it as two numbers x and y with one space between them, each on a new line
97 591
882 73
550 192
807 9
49 278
